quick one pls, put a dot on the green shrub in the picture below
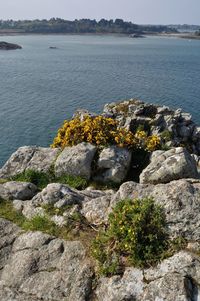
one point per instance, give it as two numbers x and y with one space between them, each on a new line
166 135
136 231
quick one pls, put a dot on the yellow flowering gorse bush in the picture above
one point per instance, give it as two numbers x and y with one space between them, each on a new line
102 131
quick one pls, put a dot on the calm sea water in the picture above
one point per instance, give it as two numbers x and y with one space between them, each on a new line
40 87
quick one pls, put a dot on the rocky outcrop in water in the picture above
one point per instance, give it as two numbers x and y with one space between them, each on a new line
174 126
9 46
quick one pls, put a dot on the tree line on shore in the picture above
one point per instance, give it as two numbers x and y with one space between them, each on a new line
57 25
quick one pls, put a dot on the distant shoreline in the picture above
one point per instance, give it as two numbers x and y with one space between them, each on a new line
189 36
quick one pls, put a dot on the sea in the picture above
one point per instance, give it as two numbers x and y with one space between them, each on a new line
40 87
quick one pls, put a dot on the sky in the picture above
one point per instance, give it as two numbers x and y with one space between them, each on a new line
137 11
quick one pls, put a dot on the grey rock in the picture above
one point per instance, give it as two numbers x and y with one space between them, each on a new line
76 160
156 119
196 133
113 164
9 46
17 190
180 200
128 287
29 158
176 278
36 266
163 110
58 220
171 165
82 113
18 205
95 211
55 193
184 263
29 210
171 287
185 132
8 234
60 195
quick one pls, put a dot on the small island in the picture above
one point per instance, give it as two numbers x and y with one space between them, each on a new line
9 46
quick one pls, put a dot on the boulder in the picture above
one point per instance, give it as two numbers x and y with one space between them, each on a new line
128 287
173 164
63 196
113 164
180 200
9 46
171 287
40 267
76 160
17 190
176 278
95 210
55 193
158 120
29 158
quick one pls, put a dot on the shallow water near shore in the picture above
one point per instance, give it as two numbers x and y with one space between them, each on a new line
40 87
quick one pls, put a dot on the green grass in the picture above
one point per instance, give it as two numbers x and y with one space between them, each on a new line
2 181
75 182
51 210
41 180
8 212
41 223
76 227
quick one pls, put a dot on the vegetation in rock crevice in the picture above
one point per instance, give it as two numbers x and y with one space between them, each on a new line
42 179
136 235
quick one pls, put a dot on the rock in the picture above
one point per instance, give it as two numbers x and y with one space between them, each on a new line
184 263
194 247
171 165
179 199
8 234
18 205
196 133
113 164
185 132
95 211
59 196
171 287
17 190
9 46
176 278
58 220
76 160
133 114
55 193
29 210
82 113
40 267
128 287
29 158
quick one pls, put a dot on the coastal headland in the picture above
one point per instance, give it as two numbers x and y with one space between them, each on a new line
110 211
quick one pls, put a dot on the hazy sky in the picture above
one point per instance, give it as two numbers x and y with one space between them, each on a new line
138 11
